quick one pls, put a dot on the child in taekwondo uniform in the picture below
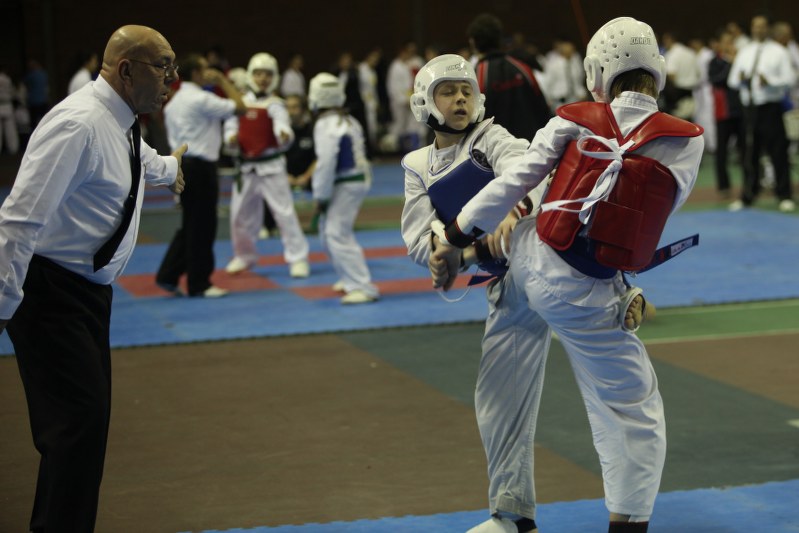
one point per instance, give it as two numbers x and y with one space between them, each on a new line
263 134
340 181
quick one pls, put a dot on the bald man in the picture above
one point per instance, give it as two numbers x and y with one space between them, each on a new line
67 231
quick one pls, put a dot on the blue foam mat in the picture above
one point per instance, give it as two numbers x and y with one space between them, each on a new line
388 180
769 507
745 256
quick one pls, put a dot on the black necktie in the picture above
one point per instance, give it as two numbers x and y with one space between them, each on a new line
107 250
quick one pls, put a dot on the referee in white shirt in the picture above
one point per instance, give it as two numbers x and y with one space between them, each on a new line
763 72
66 232
194 116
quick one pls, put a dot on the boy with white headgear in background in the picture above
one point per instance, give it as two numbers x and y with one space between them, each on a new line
263 134
340 182
621 168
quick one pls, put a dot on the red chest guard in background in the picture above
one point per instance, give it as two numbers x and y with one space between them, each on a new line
627 225
256 132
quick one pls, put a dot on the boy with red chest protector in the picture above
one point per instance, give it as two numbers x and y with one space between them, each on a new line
263 134
622 168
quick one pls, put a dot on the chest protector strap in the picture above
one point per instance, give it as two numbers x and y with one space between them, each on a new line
623 198
256 132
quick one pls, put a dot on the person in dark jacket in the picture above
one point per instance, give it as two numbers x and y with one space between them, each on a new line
513 94
728 111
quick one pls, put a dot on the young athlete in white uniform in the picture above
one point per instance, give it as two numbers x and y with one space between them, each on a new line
631 168
467 154
340 181
263 133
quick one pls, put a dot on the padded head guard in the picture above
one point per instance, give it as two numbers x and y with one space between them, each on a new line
238 76
447 67
263 61
325 91
621 45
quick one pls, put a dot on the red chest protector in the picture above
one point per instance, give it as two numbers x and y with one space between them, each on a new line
627 225
256 132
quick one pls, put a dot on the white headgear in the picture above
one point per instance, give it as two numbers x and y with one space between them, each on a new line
238 76
621 45
325 91
263 61
447 67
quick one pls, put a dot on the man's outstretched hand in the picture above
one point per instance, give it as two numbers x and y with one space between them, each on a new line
179 184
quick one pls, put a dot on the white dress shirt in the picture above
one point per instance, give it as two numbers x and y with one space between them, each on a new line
564 78
194 116
683 66
768 59
68 195
81 78
399 82
293 82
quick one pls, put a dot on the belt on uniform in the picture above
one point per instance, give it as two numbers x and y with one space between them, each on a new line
347 179
269 157
581 257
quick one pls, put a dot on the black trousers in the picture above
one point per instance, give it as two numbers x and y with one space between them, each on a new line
767 134
60 334
725 130
192 248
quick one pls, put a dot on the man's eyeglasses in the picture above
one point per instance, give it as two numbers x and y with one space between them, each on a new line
165 68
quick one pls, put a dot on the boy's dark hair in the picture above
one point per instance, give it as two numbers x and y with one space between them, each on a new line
189 64
638 80
486 31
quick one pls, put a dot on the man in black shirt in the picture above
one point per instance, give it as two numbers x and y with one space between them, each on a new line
300 157
513 94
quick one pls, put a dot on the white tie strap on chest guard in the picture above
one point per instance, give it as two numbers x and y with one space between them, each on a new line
604 184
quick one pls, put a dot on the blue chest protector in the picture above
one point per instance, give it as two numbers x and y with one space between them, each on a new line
454 186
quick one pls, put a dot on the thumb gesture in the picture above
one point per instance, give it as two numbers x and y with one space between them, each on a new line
180 151
179 184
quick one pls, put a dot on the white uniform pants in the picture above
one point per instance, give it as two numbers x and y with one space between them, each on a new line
9 137
612 370
337 233
247 216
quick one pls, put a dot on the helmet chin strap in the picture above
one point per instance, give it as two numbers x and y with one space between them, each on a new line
433 123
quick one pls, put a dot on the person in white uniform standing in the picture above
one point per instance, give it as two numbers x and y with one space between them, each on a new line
263 134
566 265
9 136
340 182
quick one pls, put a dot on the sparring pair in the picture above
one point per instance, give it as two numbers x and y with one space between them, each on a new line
620 168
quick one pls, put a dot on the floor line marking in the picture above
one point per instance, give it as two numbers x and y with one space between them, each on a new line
740 306
722 336
719 337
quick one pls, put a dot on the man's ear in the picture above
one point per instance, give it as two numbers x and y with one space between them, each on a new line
124 70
